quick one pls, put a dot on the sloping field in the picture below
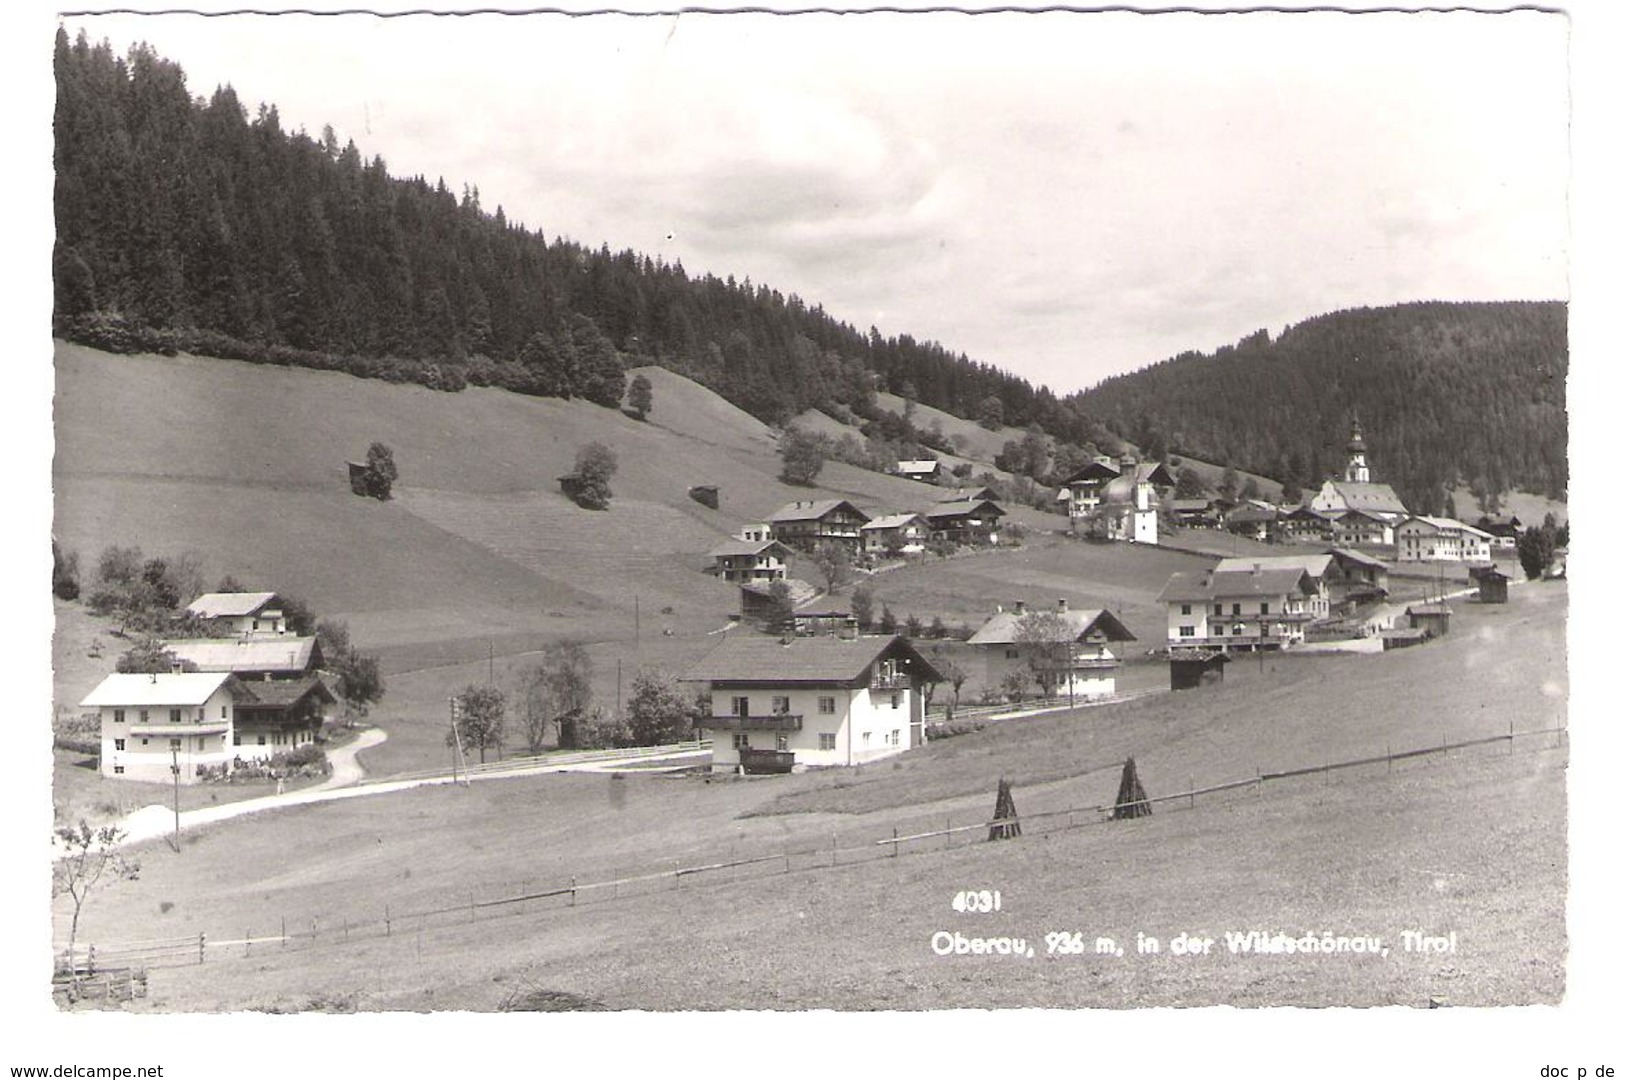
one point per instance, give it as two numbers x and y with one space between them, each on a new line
1470 843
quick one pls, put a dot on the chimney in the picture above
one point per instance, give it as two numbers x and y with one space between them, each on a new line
1021 607
1060 605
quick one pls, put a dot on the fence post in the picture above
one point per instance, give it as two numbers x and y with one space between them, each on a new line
1390 752
834 852
894 841
90 961
1192 790
386 920
572 891
200 948
248 939
284 931
346 928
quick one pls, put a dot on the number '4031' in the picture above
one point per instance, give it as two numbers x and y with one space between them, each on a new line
977 900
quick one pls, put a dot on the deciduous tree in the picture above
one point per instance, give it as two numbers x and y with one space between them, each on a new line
91 856
658 713
640 397
803 456
481 714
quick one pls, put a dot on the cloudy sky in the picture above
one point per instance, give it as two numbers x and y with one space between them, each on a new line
1067 196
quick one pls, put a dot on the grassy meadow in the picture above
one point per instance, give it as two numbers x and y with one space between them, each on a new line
1471 842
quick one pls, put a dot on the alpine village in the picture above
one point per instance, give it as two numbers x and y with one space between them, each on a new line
446 614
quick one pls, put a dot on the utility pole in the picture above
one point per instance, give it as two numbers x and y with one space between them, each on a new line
175 772
637 622
490 662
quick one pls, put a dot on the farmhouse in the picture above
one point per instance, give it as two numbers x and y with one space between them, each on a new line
1325 573
779 704
1068 652
749 561
1111 501
1359 528
925 470
1253 518
240 612
899 534
1305 524
1424 538
1192 513
1250 609
1505 528
200 720
250 657
806 523
1364 578
967 521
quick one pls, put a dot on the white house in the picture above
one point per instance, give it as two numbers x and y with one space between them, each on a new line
1250 609
1068 652
925 470
748 561
150 722
1424 538
783 704
1323 569
241 612
201 719
904 534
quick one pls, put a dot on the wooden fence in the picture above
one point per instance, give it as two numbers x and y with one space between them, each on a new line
198 949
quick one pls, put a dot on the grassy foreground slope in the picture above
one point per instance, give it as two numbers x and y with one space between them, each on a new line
1472 842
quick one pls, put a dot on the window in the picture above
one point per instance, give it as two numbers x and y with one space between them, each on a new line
143 716
782 743
741 706
174 744
826 740
118 716
1187 631
781 705
826 706
1012 653
222 712
201 714
896 700
1235 609
1264 608
741 740
1218 630
198 744
262 739
118 744
118 769
174 716
143 741
1218 609
894 737
866 735
1184 609
236 738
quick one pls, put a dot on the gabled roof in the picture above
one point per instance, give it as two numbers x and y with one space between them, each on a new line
1305 511
833 661
1369 497
1189 506
890 521
287 653
281 693
1154 473
1094 470
734 547
1443 524
185 688
1314 565
919 465
216 605
1428 609
1188 585
965 508
813 510
1359 558
961 494
1250 512
1005 628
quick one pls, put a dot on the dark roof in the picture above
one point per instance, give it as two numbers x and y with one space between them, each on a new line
965 508
1358 558
760 659
1369 497
813 510
1247 513
1094 470
1428 609
280 693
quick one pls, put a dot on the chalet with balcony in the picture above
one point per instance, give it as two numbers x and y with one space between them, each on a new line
1305 524
783 704
1253 518
1424 538
240 613
1069 653
750 561
1503 528
895 534
1192 513
1325 576
1239 610
806 523
1359 528
195 721
965 521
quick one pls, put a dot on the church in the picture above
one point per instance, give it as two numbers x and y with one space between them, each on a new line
1362 512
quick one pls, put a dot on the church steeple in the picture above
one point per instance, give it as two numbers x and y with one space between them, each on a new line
1357 472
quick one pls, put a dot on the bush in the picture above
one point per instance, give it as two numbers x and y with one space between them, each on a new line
64 573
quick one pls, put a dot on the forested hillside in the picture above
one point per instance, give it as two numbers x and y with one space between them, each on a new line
1446 392
184 223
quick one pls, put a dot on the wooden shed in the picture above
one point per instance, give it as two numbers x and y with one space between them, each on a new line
1189 669
1492 584
1432 619
358 477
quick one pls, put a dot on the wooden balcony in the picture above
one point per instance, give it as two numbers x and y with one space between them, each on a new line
767 761
882 680
771 722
